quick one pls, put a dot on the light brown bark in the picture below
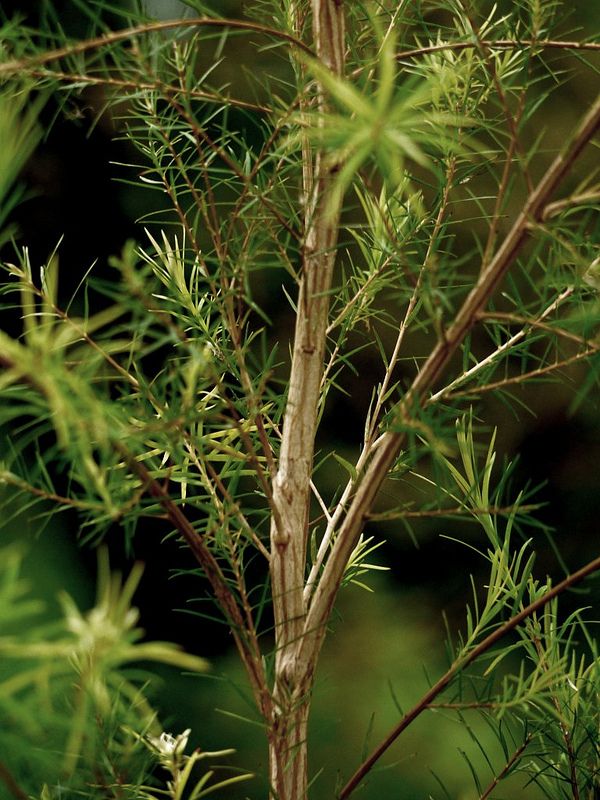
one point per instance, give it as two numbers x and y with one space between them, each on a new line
291 485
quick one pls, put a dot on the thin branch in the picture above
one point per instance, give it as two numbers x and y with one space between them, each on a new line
507 767
13 787
502 44
199 137
521 319
250 182
475 705
20 65
455 511
512 122
253 457
238 512
18 483
370 440
503 348
233 323
564 728
121 83
77 326
361 291
459 665
244 637
583 198
233 327
428 264
526 376
212 479
514 145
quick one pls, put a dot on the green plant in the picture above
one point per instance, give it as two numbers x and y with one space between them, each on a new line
65 688
399 196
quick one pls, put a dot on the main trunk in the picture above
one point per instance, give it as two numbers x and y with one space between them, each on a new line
288 765
291 499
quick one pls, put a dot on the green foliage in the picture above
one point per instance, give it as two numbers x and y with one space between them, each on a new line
169 751
67 690
19 133
389 127
397 209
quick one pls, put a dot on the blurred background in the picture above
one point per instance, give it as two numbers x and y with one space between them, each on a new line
385 646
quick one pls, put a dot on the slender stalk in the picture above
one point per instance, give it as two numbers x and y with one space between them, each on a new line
512 124
583 198
504 348
460 664
531 323
18 66
540 372
507 767
455 511
11 785
244 636
51 497
501 44
121 83
562 722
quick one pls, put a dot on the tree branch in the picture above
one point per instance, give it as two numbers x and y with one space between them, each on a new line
460 664
244 637
505 347
372 426
455 511
525 376
580 199
121 83
19 65
13 787
507 767
502 44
